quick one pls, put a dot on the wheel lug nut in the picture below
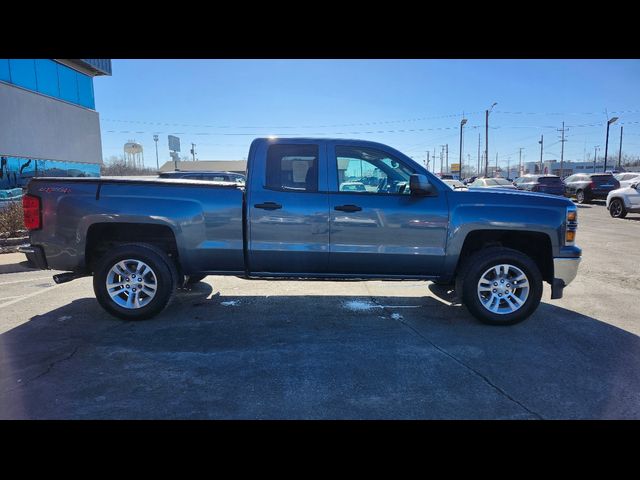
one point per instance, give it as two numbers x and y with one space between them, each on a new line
501 281
494 290
499 294
127 285
133 289
495 284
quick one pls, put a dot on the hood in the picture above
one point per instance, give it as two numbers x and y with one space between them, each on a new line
623 190
497 196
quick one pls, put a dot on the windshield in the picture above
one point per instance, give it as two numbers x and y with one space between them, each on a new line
497 181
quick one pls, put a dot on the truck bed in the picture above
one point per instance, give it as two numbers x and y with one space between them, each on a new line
204 218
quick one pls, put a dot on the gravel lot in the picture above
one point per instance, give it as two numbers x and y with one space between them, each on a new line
248 349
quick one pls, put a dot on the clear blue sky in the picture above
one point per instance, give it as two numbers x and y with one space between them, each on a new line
221 105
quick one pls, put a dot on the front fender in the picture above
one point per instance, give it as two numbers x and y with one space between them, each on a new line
480 217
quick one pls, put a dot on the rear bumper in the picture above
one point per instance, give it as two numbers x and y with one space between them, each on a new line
35 255
564 271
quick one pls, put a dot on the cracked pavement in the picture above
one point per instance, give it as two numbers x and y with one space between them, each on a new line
256 349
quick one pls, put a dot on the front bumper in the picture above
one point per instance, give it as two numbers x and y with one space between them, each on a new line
564 271
35 255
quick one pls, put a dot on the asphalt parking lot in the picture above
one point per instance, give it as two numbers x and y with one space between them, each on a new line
253 349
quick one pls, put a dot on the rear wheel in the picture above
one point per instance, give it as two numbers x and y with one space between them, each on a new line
581 197
617 208
500 286
134 281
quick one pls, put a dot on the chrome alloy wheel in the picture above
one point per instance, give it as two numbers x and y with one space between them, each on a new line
131 284
615 208
503 289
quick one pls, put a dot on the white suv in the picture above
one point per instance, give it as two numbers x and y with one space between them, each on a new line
627 179
624 200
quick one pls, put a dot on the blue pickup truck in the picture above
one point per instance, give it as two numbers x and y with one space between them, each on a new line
142 239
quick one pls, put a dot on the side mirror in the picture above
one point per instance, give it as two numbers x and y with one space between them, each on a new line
419 185
635 185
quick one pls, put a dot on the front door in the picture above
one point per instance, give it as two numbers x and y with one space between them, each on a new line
377 226
288 211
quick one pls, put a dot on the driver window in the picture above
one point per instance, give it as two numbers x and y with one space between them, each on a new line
367 170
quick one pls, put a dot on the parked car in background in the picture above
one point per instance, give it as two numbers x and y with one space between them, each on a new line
352 187
589 186
624 200
454 183
211 176
551 184
492 183
627 179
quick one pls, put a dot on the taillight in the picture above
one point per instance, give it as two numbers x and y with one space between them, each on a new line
572 226
592 184
31 209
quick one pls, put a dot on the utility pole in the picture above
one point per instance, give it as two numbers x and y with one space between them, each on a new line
427 160
595 157
193 151
447 157
496 171
441 157
562 152
155 139
620 151
541 142
478 169
508 166
520 163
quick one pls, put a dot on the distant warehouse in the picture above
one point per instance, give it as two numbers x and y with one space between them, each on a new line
48 122
235 166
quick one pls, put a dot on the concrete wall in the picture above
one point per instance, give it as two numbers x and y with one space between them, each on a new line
36 126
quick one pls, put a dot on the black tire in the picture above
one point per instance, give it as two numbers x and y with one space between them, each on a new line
162 266
474 267
617 208
581 197
191 279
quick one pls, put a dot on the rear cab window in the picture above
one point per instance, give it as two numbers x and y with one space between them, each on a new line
292 167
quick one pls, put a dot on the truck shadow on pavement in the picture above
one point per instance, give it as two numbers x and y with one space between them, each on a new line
287 356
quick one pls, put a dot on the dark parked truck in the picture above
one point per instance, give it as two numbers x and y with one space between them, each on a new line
141 239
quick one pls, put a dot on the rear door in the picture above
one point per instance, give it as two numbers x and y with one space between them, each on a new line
288 209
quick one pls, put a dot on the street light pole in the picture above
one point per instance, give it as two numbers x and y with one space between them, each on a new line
462 122
541 142
486 139
606 145
620 151
155 139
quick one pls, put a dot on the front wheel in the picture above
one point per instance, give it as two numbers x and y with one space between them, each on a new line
501 286
617 209
134 281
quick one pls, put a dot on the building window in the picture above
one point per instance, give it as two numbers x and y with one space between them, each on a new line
85 91
23 73
68 84
47 75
